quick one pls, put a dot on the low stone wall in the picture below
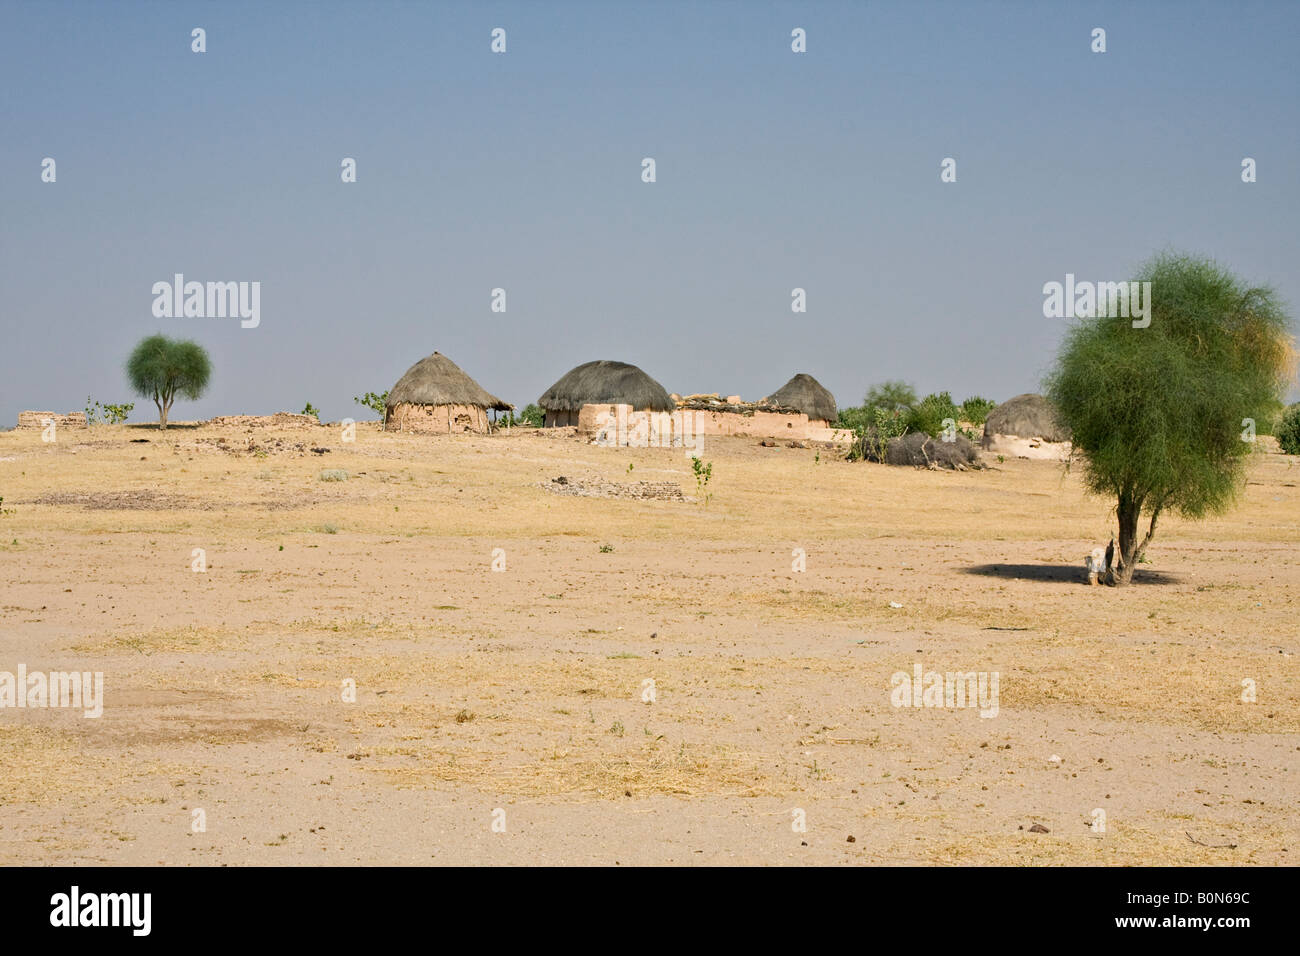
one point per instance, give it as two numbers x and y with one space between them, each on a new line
278 420
621 425
1013 446
437 419
38 419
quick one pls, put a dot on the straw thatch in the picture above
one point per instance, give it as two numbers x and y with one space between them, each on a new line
606 383
437 380
1025 416
804 393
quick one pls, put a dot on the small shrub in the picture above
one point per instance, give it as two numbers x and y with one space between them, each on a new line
1288 430
312 410
873 433
98 413
976 409
334 474
928 414
377 402
703 474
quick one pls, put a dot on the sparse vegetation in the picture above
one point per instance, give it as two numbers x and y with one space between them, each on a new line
703 474
107 414
312 410
377 402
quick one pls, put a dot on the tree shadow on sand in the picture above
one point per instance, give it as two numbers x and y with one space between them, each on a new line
1058 573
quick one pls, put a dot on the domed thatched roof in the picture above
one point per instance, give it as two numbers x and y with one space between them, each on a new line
805 393
606 383
437 380
1026 416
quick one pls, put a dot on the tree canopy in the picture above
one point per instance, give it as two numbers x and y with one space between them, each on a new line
1160 413
161 368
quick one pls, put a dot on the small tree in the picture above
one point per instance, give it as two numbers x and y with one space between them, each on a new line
891 396
1157 412
377 402
161 368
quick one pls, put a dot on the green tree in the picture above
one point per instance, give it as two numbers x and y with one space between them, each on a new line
161 368
1157 412
891 396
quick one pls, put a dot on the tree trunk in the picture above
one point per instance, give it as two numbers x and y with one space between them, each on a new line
162 414
1129 512
1130 552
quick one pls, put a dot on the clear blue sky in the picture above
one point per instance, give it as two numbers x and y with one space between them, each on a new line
522 171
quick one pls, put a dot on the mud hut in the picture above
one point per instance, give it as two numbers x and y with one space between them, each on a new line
1026 427
805 394
436 397
602 383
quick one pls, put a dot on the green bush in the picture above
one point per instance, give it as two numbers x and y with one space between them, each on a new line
1288 430
100 413
854 419
531 415
976 409
928 414
310 409
375 401
873 429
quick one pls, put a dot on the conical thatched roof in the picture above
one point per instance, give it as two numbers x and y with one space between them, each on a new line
606 383
437 380
1026 416
805 393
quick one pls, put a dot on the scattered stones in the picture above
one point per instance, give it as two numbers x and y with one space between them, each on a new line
600 488
278 420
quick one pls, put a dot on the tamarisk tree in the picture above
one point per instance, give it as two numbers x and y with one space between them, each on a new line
161 368
1164 415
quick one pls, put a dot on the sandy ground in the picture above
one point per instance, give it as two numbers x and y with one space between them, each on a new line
515 697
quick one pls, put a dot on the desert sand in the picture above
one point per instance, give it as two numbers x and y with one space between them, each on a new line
522 690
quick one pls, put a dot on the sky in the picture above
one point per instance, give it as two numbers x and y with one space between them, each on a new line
522 170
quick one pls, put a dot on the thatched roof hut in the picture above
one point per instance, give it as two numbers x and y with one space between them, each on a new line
1026 426
602 383
435 395
1026 416
805 394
